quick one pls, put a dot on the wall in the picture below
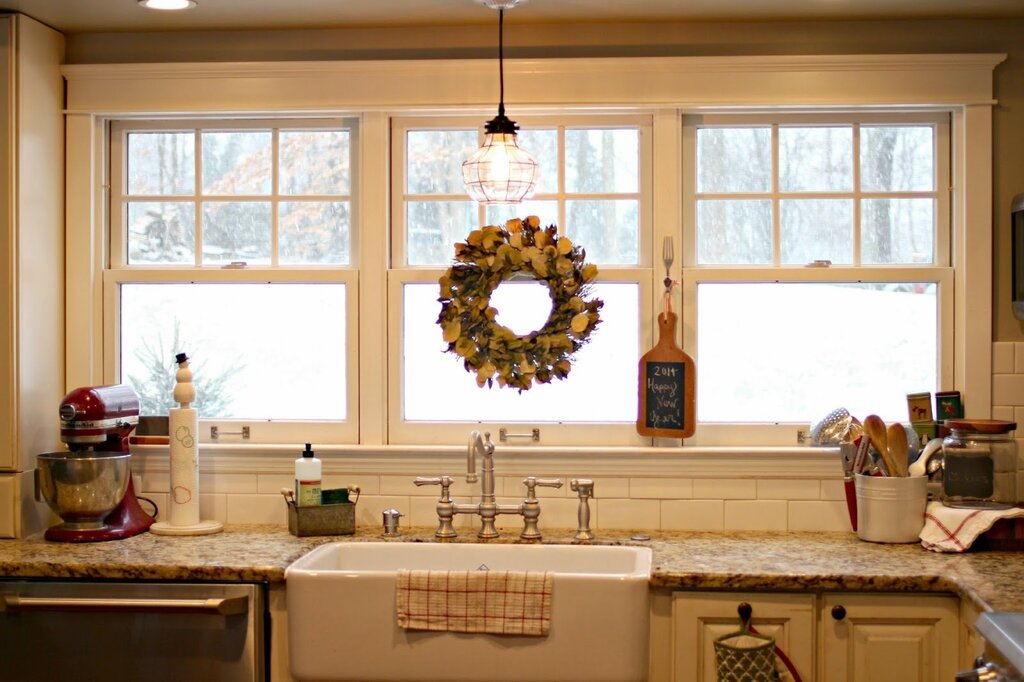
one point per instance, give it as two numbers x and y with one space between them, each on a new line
643 501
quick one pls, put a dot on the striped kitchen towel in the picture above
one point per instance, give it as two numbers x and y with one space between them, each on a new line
481 601
955 530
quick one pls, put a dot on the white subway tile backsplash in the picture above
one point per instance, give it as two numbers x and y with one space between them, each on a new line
214 507
1007 389
1004 412
660 488
692 514
368 485
1018 354
369 511
781 489
755 514
1004 358
833 489
725 488
229 483
265 509
403 485
628 514
818 516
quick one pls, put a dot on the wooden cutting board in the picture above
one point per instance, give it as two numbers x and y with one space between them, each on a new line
667 380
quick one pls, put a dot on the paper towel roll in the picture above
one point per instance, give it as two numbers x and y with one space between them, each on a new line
183 426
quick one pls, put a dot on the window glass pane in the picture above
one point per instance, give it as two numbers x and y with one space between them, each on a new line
314 162
161 232
608 229
161 163
734 159
259 351
237 162
543 146
816 229
896 231
236 230
897 158
547 211
434 160
602 160
754 368
737 232
606 366
816 159
435 226
313 232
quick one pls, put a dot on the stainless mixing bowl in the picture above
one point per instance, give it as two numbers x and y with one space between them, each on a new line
83 488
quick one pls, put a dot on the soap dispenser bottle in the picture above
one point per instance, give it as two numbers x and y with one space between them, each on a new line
308 472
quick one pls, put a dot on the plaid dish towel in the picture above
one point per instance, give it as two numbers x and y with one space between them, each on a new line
494 602
954 530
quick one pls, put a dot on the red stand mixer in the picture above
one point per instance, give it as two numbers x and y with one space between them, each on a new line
90 486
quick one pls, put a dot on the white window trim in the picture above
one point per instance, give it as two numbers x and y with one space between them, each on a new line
121 272
962 82
940 271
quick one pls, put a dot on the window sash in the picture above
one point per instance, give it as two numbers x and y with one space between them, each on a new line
940 271
119 271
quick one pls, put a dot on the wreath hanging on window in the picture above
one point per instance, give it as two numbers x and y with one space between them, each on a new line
493 254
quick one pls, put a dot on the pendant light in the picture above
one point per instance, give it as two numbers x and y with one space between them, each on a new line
500 172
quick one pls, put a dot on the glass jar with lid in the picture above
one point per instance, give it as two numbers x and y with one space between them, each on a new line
979 464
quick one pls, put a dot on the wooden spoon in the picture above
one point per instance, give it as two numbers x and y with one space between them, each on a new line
896 438
875 428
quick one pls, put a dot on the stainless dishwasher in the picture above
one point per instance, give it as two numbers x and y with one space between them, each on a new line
117 630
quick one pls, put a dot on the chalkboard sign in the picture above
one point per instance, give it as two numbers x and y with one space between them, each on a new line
667 377
971 476
665 385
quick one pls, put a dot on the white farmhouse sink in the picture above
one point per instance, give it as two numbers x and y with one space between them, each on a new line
342 623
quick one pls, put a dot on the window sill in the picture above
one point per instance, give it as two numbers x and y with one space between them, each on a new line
691 462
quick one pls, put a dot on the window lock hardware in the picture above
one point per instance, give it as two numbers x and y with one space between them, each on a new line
235 265
820 263
216 433
504 436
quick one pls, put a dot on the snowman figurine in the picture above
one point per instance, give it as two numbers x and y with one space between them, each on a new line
184 390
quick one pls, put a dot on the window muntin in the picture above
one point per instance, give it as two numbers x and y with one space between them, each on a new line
594 187
766 196
232 241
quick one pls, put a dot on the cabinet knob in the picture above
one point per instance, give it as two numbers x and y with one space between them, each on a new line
838 612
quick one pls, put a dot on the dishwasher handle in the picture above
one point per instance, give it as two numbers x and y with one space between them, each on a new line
221 606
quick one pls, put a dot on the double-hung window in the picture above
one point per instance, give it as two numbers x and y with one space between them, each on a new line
595 186
231 241
817 272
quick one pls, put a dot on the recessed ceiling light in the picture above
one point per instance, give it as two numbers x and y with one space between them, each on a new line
168 4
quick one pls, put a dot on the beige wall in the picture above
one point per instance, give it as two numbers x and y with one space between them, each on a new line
663 39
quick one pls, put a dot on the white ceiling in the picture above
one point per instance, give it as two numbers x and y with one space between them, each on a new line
74 16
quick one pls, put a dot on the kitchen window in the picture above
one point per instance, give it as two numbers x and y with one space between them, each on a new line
817 269
595 186
232 241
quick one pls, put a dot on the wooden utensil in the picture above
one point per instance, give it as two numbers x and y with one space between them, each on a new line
667 380
875 428
896 439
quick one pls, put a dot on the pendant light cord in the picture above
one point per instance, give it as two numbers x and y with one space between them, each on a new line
501 61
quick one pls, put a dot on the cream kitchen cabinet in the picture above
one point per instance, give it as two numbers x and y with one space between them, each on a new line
31 262
885 637
700 617
831 637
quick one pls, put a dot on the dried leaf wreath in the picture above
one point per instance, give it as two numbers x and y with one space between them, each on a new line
493 254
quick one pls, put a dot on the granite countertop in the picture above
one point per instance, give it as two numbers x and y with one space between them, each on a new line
682 560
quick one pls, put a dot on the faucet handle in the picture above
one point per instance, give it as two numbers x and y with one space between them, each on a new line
532 482
444 481
583 486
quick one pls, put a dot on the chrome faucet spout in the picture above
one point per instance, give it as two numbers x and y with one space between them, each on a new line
484 446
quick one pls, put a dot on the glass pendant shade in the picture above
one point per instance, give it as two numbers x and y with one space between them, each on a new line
168 4
500 172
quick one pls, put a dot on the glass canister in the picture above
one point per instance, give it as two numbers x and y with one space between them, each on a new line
979 464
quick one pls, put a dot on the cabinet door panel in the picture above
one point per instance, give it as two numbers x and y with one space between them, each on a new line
889 638
700 617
